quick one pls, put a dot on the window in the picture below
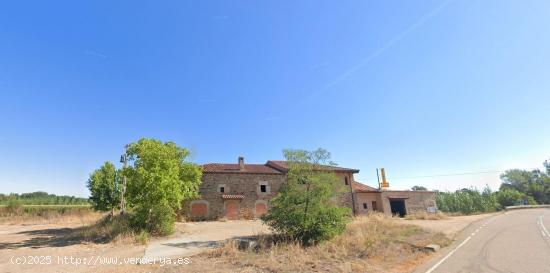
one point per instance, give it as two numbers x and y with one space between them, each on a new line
365 205
222 189
374 205
346 180
263 188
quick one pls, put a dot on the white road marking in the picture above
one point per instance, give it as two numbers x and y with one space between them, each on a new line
545 231
448 255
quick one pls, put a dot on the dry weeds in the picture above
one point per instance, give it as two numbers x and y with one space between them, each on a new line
370 244
426 216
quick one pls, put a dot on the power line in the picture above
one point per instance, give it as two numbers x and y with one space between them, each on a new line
451 174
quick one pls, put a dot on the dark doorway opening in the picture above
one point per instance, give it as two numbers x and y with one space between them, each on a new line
398 207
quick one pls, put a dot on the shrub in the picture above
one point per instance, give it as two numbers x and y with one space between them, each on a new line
306 209
467 201
14 207
509 197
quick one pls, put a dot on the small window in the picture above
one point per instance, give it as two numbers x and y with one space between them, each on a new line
346 180
222 189
365 205
263 188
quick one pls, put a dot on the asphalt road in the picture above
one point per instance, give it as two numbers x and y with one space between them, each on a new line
515 241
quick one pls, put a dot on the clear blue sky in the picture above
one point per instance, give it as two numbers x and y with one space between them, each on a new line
418 87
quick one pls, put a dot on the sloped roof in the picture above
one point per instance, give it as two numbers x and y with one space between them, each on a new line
282 166
234 168
360 187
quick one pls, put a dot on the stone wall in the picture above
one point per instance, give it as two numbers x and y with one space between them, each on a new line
245 184
415 201
367 198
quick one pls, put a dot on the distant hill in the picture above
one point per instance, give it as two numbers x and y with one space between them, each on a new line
42 198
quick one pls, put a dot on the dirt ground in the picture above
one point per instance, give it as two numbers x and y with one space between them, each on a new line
38 245
25 247
449 226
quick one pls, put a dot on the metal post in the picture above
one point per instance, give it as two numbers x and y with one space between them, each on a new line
124 160
378 177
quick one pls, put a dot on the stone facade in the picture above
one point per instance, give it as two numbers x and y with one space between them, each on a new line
253 203
244 191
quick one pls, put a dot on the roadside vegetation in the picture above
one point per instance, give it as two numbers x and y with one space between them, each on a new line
41 198
307 207
519 187
371 243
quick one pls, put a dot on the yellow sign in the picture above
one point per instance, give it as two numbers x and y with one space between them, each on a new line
384 184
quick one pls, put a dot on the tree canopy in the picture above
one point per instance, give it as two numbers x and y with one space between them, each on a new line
159 179
306 208
418 188
104 187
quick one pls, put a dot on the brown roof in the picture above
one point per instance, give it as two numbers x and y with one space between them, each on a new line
360 187
282 166
234 168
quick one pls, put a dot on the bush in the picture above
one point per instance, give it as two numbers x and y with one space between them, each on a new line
305 208
509 197
14 207
467 201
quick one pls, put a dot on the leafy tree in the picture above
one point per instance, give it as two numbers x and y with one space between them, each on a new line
535 183
467 201
419 188
104 188
509 197
306 208
159 179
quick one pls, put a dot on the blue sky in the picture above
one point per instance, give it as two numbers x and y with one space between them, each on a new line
421 88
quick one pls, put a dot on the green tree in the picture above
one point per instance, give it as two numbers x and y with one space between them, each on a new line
419 188
535 183
307 207
104 188
159 179
509 197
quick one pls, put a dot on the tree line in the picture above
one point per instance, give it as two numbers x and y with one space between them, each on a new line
41 198
519 187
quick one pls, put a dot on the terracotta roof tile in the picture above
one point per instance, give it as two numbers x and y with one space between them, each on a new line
234 168
360 187
283 166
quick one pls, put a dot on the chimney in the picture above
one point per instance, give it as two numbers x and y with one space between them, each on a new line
241 163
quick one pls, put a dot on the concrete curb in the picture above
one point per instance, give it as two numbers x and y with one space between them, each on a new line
527 207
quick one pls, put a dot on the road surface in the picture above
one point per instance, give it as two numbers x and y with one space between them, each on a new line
514 241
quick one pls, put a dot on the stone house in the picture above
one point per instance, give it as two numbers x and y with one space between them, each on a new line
244 191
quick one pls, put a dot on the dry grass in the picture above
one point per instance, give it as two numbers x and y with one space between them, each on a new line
110 229
370 244
33 215
426 216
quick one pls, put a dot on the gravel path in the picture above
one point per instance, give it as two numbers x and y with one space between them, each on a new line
199 236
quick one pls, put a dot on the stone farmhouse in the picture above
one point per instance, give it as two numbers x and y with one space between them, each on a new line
243 191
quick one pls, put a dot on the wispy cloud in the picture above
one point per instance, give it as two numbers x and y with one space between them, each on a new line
363 62
95 54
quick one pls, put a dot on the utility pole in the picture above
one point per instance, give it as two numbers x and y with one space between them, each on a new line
378 177
124 161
